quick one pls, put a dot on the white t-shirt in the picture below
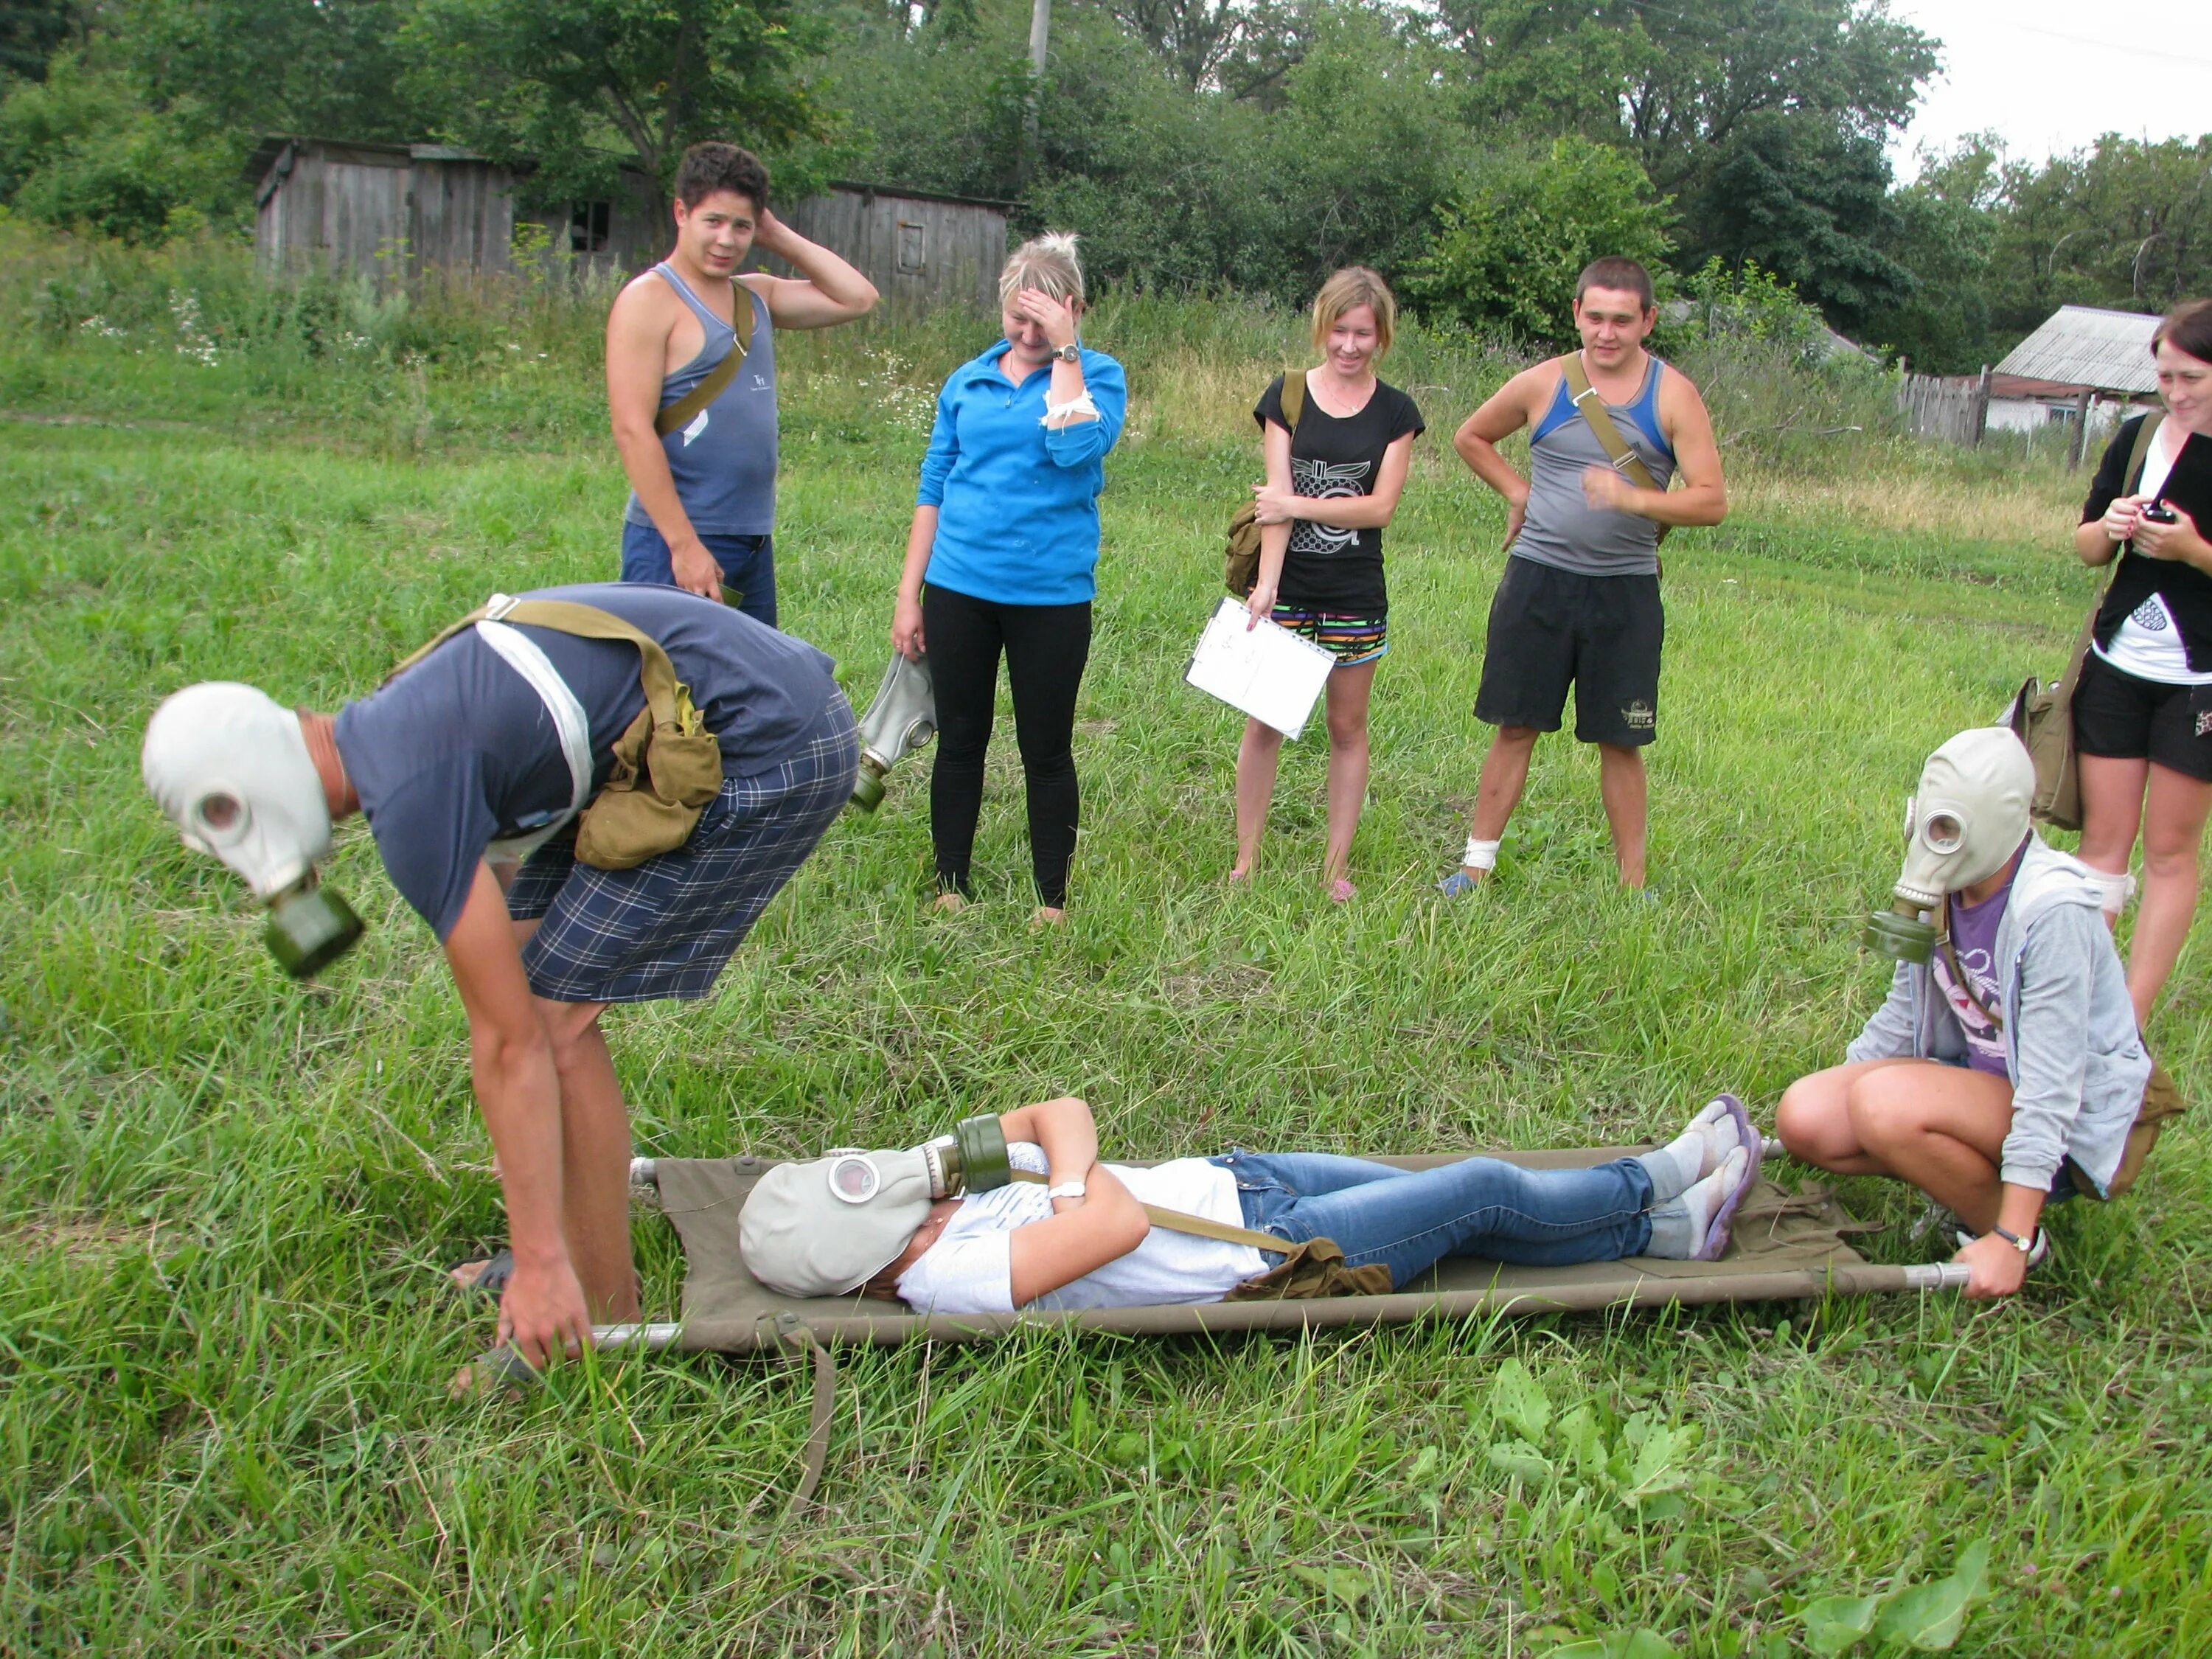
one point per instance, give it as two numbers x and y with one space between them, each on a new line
2148 642
970 1267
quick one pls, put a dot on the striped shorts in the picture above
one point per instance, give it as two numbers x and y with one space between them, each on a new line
668 927
1351 639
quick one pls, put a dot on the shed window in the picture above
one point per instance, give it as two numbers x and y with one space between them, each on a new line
913 247
588 226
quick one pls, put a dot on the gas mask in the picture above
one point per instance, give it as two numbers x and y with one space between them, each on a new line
902 718
827 1226
1968 818
230 767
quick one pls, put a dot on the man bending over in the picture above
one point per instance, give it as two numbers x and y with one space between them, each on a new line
499 745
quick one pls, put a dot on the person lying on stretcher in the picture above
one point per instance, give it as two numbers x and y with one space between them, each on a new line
1081 1237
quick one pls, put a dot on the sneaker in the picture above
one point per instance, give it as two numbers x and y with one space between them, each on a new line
1457 885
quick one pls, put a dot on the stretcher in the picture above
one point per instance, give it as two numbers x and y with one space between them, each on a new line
1785 1246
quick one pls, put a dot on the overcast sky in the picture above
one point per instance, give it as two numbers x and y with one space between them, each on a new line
2050 76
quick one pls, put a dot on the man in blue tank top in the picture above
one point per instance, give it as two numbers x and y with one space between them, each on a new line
701 512
1579 602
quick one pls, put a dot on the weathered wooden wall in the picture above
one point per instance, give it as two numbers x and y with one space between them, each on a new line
383 211
919 253
1953 411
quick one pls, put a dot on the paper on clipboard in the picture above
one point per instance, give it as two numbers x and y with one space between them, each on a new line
1269 672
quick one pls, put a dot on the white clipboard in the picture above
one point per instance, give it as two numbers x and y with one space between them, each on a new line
1272 674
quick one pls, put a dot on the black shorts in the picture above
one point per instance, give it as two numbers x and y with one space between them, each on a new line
2119 717
1549 627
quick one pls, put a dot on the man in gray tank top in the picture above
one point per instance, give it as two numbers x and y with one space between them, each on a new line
702 510
1579 602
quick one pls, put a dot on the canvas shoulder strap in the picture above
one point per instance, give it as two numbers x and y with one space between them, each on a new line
668 697
1179 1221
679 414
1592 409
1294 397
2139 456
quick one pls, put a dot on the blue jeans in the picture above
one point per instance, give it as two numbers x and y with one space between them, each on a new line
748 566
1411 1219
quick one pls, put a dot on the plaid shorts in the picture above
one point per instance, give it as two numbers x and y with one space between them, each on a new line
1351 639
667 927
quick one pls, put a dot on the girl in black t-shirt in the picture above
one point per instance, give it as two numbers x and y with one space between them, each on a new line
1332 485
2143 712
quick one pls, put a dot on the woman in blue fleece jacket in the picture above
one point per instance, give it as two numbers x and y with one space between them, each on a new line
1002 557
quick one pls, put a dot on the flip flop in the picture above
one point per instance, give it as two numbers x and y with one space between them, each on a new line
492 1281
1717 1232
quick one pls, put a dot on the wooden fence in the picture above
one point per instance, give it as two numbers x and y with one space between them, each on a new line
1954 411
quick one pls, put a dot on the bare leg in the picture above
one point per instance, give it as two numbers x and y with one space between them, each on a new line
1940 1127
1505 775
1349 690
595 1149
1257 758
2174 828
1621 786
2112 811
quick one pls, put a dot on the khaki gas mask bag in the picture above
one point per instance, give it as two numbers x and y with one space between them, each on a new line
667 766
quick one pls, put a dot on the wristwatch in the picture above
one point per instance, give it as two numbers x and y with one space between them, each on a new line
1066 1189
1070 352
2024 1246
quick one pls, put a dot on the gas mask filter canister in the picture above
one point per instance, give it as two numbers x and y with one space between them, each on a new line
228 765
1969 816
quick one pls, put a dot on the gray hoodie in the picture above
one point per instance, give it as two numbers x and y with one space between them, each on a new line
2077 1063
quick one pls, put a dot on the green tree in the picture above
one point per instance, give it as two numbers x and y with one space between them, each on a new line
1763 119
1511 242
2124 223
85 150
1945 228
1809 201
244 68
31 31
588 94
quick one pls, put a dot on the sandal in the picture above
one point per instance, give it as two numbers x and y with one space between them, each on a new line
1341 891
492 1281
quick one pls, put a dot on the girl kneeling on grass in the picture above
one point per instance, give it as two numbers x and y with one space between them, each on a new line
1332 484
2004 1072
1083 1239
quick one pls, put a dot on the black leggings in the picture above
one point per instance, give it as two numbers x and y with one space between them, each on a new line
1046 646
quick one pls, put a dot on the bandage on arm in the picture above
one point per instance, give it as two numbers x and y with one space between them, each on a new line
1059 414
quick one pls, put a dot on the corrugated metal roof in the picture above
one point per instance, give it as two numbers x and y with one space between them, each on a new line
2084 346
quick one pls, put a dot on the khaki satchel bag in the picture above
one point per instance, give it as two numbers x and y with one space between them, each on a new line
2042 716
667 766
1242 567
1625 461
679 414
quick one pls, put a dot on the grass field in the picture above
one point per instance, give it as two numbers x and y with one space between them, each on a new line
225 1200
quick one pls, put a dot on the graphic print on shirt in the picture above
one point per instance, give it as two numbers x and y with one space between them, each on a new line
1325 481
1983 1036
2151 615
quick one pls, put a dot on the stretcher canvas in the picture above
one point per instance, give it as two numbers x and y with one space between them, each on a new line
1786 1246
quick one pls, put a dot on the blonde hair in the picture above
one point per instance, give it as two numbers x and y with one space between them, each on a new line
1046 263
1352 287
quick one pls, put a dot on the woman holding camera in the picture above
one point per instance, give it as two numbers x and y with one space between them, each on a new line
1001 560
2143 711
1336 460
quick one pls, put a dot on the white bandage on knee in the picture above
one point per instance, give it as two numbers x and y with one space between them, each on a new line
1480 854
2116 889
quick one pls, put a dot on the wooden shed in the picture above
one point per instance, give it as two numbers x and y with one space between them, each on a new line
919 249
389 211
